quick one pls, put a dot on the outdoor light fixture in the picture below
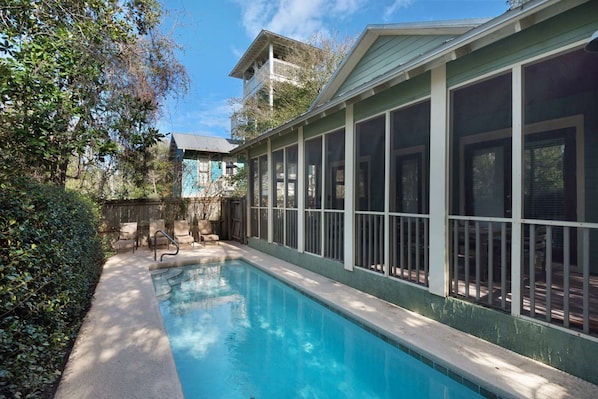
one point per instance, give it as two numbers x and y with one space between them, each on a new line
592 46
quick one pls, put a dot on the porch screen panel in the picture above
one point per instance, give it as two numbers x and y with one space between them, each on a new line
278 183
369 194
291 177
481 202
291 156
408 238
335 196
370 162
313 195
255 182
254 188
561 186
264 192
482 108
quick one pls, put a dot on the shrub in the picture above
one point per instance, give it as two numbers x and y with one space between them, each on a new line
50 261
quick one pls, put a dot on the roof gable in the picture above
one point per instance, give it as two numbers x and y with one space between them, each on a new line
382 48
194 142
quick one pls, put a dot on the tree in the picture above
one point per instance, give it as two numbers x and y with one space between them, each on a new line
117 178
81 80
294 96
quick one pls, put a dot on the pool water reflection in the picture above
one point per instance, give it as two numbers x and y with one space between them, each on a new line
237 332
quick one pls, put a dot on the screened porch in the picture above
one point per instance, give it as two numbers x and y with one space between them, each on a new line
531 195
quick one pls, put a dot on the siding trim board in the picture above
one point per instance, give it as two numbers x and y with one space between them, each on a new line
570 29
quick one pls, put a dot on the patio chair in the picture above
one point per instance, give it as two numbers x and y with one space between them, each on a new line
155 225
540 246
205 232
127 236
182 232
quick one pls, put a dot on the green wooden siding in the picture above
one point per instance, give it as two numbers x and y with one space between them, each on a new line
258 149
284 140
325 125
569 27
394 97
386 53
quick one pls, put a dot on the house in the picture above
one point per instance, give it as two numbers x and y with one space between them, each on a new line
263 63
448 167
201 164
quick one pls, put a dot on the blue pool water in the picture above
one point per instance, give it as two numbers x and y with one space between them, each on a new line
236 332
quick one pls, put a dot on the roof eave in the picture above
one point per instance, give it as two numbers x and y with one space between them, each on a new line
496 29
257 46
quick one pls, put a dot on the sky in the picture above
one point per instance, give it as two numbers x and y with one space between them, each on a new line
214 34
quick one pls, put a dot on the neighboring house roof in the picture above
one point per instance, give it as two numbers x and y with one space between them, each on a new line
332 99
259 48
198 143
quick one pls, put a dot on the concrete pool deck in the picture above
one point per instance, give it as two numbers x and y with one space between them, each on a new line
122 350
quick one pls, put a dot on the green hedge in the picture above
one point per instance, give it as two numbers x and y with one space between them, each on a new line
50 261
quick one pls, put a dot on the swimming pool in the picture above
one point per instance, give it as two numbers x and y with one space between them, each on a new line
237 332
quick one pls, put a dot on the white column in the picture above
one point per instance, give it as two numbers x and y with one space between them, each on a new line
516 191
349 188
439 189
300 194
271 74
270 194
248 194
323 196
386 171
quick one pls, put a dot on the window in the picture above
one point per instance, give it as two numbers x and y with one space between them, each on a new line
313 173
291 176
255 182
278 177
371 172
488 178
264 181
409 183
410 138
335 170
203 172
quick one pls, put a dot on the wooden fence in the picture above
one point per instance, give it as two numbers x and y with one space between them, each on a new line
224 213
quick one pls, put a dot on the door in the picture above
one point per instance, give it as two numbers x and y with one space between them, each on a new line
409 194
550 183
488 178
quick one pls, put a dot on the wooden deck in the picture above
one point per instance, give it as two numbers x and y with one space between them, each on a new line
538 307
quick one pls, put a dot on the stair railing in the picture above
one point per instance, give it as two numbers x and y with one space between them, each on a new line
176 244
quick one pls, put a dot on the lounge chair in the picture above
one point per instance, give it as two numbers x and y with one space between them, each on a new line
127 236
155 225
205 232
182 232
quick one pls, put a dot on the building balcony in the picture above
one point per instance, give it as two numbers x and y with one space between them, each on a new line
281 71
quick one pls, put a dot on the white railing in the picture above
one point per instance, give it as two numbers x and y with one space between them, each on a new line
278 232
282 71
480 260
369 241
409 247
313 231
291 228
556 283
254 220
334 234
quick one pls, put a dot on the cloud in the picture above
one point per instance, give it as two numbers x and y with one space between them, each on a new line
394 7
209 117
299 19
